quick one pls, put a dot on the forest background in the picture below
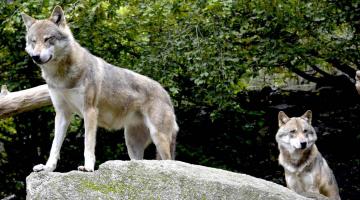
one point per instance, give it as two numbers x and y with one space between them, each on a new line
229 66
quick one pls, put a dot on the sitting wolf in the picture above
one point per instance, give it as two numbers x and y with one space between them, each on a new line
101 93
306 171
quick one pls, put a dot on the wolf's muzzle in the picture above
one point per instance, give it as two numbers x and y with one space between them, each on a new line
303 145
38 60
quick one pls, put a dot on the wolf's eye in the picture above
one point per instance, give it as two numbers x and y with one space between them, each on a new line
49 38
33 40
292 131
305 130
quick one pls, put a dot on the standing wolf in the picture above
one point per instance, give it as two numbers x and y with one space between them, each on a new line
306 171
101 93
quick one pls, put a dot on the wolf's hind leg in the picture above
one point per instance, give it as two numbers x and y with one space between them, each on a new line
172 146
162 145
137 138
161 123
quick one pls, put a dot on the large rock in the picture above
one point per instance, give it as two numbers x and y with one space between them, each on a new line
148 179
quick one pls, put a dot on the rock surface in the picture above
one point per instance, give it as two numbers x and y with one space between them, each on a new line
151 179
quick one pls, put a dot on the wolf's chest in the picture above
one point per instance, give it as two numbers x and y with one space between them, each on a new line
71 99
301 181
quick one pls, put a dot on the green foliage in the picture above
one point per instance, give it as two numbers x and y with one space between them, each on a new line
184 45
321 37
201 51
7 128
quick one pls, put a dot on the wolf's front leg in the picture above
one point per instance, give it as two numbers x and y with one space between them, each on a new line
62 121
292 182
90 121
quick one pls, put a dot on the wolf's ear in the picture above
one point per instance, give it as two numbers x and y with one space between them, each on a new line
283 118
307 116
58 16
28 21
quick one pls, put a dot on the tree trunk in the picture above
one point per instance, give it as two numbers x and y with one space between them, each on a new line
12 103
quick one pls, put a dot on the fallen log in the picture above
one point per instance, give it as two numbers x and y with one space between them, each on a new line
12 103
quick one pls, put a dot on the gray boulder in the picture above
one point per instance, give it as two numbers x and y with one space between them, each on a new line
151 179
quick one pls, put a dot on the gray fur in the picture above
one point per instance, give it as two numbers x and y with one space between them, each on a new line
306 171
104 95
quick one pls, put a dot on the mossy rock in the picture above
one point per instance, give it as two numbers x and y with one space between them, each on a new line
151 179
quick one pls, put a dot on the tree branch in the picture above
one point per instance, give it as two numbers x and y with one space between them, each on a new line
349 71
12 103
306 76
320 71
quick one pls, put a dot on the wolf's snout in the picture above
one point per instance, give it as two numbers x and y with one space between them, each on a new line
303 145
39 60
36 58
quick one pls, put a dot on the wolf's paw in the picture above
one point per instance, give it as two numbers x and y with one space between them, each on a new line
41 167
85 169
